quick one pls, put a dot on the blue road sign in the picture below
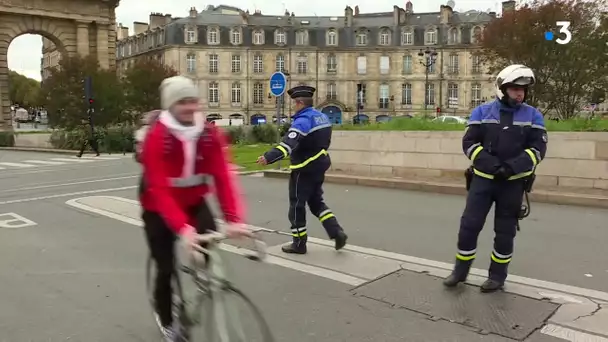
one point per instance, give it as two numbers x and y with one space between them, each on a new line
278 83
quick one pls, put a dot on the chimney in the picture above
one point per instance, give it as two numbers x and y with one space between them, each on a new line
446 14
156 20
396 15
244 18
139 27
492 14
193 12
124 32
357 10
409 7
348 16
168 18
508 6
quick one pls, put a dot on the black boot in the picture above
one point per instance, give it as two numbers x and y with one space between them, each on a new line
459 274
491 285
340 240
298 246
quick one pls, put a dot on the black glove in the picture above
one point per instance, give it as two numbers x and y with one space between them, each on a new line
503 173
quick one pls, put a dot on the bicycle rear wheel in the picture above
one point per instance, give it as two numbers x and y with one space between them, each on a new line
227 315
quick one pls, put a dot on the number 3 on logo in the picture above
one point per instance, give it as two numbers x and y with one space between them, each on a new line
564 28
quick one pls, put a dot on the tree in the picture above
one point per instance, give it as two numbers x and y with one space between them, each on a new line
566 74
63 94
141 84
23 90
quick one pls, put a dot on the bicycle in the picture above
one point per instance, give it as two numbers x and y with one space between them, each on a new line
210 296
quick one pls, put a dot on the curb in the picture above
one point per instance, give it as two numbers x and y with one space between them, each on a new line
541 196
45 150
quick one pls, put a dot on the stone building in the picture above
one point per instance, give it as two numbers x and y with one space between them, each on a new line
231 54
50 58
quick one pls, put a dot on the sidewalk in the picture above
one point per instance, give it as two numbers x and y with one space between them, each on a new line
574 196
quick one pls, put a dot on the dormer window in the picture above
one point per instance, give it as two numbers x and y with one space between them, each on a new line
361 38
407 36
279 37
453 36
213 36
302 38
235 36
258 37
385 37
475 34
332 38
190 35
430 36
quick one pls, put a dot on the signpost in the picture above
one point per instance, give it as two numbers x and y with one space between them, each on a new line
278 85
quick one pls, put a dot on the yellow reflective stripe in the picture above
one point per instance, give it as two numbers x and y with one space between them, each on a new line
465 257
309 160
299 234
482 174
521 175
500 261
282 149
532 156
325 217
476 152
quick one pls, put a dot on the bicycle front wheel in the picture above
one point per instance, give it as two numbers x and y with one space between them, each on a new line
228 315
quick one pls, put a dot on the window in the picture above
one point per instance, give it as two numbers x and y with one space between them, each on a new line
361 65
332 63
407 38
302 64
258 37
453 64
279 37
213 64
407 64
258 64
258 93
383 97
280 63
385 65
453 36
301 38
191 62
430 94
385 37
190 35
332 38
476 35
475 64
332 91
431 67
476 94
235 64
235 95
406 94
214 93
452 95
430 37
235 36
213 36
361 38
362 96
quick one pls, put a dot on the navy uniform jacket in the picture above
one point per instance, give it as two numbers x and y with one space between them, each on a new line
498 135
306 142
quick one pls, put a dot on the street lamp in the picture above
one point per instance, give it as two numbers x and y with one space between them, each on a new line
428 58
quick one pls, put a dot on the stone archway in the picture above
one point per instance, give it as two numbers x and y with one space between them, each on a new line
84 27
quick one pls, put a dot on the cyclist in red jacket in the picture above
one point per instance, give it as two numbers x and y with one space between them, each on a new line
180 154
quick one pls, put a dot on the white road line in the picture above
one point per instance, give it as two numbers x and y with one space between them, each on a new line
77 160
570 334
68 184
44 162
98 158
17 165
31 199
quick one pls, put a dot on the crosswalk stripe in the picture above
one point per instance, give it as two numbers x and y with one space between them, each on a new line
17 165
73 160
44 162
98 158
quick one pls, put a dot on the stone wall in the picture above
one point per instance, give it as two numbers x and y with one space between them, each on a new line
33 140
573 159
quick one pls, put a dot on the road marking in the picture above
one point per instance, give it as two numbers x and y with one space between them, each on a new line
14 221
67 194
17 165
44 162
77 160
570 334
68 184
99 158
130 210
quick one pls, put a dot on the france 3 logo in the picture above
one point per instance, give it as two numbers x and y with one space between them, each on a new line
564 31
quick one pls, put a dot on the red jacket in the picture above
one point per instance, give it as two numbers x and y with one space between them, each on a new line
170 174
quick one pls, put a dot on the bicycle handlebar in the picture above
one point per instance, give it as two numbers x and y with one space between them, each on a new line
216 237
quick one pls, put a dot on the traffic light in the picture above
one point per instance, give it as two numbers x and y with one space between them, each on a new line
438 110
88 89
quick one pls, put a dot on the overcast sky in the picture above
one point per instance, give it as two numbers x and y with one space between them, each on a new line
24 53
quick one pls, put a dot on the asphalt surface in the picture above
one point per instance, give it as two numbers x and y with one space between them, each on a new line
79 276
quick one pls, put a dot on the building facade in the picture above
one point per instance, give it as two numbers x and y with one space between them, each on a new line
231 54
50 58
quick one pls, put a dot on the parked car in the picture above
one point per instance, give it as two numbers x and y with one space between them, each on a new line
450 119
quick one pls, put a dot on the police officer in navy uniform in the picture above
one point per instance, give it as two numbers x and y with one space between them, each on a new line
505 140
306 143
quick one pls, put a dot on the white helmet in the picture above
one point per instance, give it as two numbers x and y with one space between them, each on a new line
516 74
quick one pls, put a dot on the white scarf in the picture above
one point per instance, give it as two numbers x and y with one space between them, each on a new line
188 135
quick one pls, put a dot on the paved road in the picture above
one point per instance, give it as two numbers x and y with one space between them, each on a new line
78 275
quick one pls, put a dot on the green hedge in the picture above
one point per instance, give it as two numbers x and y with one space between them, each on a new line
257 134
110 140
7 139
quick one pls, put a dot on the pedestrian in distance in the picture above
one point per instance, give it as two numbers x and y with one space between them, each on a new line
306 144
505 140
88 137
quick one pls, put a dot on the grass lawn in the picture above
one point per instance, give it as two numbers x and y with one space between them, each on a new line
246 156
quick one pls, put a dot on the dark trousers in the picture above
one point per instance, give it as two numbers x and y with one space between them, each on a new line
507 197
92 142
307 188
161 241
